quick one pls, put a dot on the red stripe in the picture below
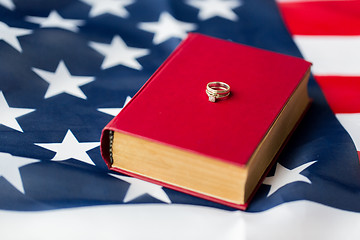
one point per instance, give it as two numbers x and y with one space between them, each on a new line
342 93
322 18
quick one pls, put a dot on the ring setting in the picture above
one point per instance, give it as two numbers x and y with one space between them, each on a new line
217 91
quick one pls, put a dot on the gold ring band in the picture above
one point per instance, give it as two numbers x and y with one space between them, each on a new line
217 90
217 95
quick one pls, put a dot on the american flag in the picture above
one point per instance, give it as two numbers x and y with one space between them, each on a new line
68 67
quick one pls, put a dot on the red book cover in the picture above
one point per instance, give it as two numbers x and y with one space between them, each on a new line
172 107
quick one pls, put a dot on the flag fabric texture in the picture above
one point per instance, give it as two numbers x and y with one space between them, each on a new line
327 34
68 67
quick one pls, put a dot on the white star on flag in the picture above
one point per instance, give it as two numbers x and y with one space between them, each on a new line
9 169
56 21
216 8
118 53
284 176
70 147
138 188
10 34
61 81
167 27
9 4
114 111
115 7
8 114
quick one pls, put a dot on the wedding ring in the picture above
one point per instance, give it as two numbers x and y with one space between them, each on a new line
217 90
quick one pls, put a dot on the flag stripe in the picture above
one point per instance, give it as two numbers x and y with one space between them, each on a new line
305 219
328 34
331 55
322 17
342 93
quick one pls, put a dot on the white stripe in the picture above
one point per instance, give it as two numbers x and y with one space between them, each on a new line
351 123
295 220
331 55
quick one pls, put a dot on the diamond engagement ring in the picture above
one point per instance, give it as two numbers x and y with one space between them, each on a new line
217 90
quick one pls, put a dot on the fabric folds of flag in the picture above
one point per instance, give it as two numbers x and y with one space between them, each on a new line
68 67
327 34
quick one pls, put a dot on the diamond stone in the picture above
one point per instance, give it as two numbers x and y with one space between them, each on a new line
212 98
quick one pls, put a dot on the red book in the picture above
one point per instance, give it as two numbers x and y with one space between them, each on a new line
172 135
